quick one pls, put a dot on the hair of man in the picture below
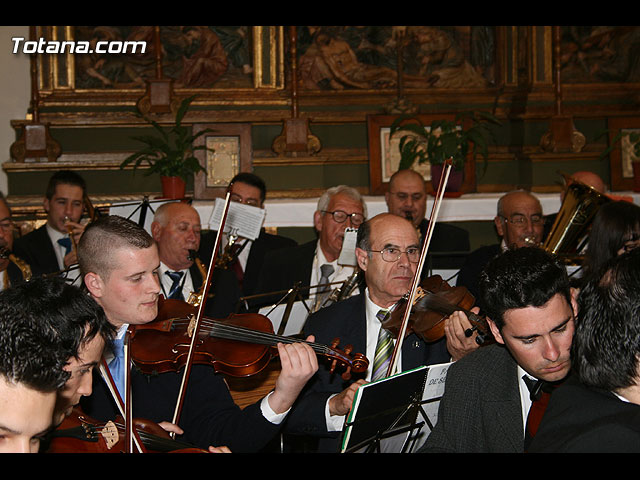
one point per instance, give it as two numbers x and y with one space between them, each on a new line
525 277
325 198
253 180
64 177
104 236
606 345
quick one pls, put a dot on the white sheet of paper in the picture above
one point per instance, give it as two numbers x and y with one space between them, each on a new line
242 220
348 252
298 316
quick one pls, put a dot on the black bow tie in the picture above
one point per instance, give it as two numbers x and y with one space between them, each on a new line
535 387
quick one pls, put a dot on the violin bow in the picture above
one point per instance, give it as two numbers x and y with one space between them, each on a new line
435 209
196 329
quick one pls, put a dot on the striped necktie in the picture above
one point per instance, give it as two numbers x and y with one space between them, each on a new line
176 287
384 348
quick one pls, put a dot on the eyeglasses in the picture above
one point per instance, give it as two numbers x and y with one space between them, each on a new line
340 217
520 220
393 254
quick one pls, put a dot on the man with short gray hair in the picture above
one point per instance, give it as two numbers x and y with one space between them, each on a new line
316 262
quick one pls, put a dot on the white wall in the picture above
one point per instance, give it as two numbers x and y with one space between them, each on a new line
15 91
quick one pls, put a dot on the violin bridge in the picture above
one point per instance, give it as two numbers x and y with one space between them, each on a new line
110 434
192 326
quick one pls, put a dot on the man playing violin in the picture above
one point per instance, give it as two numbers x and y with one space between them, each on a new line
388 251
530 308
176 230
119 264
49 248
46 328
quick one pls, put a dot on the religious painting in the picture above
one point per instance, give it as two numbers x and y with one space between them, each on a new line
337 58
622 156
193 57
600 54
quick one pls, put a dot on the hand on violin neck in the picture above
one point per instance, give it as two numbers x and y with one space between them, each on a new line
340 404
458 343
299 363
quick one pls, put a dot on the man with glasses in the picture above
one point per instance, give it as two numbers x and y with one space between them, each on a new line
407 198
315 263
248 189
10 274
388 251
519 223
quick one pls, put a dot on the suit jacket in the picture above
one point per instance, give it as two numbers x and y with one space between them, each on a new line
260 247
36 249
583 419
14 273
446 239
474 264
284 267
346 320
209 416
480 410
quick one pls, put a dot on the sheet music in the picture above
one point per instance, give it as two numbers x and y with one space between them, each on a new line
132 211
348 252
295 323
433 392
243 220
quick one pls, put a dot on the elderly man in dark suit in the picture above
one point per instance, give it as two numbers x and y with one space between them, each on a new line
316 262
388 251
598 409
530 311
10 272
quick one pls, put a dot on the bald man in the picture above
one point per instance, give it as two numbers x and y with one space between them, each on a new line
519 222
176 230
407 198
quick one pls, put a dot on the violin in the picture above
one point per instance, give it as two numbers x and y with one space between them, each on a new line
79 433
240 345
435 301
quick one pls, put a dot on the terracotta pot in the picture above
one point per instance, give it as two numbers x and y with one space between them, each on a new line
454 184
173 187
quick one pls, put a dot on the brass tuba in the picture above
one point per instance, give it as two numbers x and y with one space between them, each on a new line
579 207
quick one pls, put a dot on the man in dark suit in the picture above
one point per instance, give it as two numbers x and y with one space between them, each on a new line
407 197
176 230
387 251
530 309
248 255
519 222
598 409
49 249
339 208
119 264
10 272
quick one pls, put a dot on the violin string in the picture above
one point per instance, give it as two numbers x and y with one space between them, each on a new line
227 331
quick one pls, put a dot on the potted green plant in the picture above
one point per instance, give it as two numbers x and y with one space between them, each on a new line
443 140
169 154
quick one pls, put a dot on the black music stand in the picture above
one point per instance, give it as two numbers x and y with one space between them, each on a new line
385 410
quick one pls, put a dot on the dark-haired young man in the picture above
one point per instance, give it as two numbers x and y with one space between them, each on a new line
530 308
49 249
51 336
598 408
248 189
